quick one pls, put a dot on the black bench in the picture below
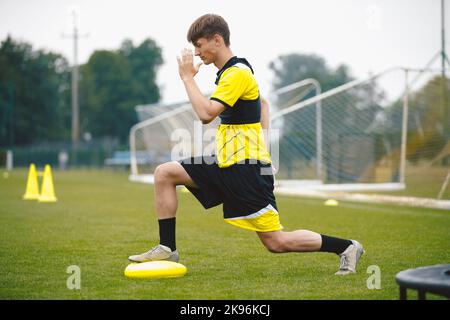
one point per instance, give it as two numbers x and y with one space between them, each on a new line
432 279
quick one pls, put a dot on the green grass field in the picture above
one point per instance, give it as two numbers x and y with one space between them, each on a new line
101 218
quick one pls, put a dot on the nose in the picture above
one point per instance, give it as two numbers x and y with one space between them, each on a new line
197 52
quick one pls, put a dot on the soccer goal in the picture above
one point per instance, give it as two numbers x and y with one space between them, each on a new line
365 135
348 138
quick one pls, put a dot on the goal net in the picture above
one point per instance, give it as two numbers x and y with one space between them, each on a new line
344 138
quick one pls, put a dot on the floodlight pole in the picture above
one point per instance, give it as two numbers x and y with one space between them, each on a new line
444 60
404 130
443 54
444 85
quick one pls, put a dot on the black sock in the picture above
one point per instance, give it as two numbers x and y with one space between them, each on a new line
167 233
332 244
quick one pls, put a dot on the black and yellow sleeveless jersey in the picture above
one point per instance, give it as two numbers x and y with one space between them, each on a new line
239 136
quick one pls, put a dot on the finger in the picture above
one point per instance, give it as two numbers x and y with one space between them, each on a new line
187 54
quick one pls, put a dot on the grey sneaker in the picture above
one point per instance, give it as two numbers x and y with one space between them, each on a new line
350 258
159 252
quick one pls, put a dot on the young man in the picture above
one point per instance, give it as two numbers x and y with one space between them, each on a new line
239 175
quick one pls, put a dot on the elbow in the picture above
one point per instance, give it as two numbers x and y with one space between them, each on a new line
206 119
207 113
264 103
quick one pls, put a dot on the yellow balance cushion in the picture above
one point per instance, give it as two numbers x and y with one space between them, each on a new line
155 270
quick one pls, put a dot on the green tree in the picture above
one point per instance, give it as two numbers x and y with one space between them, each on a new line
294 67
113 83
105 90
426 119
144 61
37 80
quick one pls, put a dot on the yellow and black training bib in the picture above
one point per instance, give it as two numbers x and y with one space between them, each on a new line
240 135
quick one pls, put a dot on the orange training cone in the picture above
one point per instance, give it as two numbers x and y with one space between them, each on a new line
32 190
47 192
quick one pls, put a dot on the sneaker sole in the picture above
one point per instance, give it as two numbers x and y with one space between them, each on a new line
168 259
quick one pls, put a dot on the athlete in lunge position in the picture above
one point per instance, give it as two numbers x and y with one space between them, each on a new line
239 176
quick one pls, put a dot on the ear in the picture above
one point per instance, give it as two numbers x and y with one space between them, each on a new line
218 40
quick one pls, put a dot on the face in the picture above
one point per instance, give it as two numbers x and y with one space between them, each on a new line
206 49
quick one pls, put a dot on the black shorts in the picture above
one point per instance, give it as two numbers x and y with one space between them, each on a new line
243 188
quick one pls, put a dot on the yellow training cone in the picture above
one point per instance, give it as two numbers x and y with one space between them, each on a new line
331 202
32 191
48 192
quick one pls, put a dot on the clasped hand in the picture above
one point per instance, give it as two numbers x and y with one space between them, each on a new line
186 67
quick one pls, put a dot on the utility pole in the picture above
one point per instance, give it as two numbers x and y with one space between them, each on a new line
74 83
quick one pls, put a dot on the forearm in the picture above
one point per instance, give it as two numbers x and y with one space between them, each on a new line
265 121
199 102
265 114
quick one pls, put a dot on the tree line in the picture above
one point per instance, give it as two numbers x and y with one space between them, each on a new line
35 95
35 91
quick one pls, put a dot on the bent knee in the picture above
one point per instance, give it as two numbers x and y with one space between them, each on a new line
274 245
276 248
166 173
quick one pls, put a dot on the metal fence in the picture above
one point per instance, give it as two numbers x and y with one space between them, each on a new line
65 155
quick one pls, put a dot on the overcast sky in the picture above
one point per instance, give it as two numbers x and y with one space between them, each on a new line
367 35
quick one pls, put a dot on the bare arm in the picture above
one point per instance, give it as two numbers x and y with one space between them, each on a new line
265 120
207 110
265 114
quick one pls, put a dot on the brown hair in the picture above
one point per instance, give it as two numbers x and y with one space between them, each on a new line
207 26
